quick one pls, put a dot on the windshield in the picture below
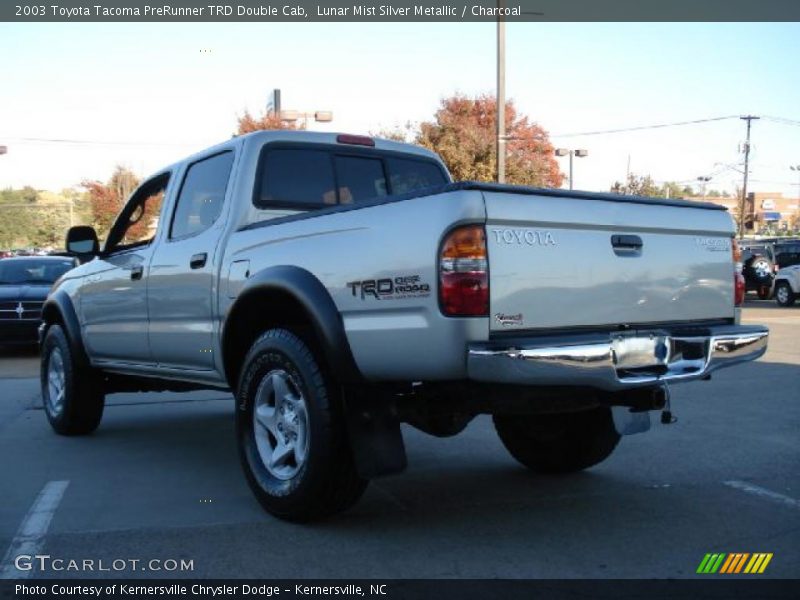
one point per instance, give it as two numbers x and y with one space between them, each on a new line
31 271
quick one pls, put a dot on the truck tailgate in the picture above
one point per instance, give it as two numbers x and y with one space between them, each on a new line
558 262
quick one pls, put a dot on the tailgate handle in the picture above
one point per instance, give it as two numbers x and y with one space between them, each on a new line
626 242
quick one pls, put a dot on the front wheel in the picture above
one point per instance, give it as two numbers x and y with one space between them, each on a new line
784 295
73 397
291 432
559 443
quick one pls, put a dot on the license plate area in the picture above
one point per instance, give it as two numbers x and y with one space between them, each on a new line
659 354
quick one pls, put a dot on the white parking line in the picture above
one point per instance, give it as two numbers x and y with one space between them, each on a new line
30 535
764 493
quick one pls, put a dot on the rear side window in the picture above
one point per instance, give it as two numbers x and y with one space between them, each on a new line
297 179
308 178
359 178
409 175
787 259
202 195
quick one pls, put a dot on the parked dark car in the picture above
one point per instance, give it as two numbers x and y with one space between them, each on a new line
24 284
787 254
761 259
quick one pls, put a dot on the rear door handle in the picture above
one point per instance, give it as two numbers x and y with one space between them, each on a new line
136 272
198 261
626 242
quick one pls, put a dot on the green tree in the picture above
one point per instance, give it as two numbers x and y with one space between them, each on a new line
29 218
463 133
28 194
638 185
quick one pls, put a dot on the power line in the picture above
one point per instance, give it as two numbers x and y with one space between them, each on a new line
94 142
774 182
782 120
642 127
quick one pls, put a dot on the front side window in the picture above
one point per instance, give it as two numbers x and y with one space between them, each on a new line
137 223
202 195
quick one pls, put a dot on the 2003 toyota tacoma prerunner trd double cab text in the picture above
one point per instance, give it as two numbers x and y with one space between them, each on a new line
341 285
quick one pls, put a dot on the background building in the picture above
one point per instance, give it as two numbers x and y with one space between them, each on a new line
770 212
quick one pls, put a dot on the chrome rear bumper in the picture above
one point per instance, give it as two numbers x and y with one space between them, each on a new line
616 361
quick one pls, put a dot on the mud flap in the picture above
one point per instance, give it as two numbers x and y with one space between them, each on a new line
628 422
374 431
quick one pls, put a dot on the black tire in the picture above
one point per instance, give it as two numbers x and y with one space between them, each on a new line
559 443
78 408
324 481
758 272
784 295
763 292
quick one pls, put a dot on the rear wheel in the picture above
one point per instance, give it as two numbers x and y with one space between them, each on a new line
291 433
559 443
73 397
763 292
784 295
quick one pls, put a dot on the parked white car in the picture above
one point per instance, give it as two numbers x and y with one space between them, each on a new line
787 285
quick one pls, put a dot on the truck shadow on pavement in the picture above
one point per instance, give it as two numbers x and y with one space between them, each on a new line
191 442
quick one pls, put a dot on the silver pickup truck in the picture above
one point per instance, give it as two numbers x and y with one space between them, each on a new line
341 285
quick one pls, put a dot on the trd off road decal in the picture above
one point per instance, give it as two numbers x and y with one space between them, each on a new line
390 288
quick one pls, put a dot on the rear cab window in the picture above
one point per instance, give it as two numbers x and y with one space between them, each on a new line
305 178
296 178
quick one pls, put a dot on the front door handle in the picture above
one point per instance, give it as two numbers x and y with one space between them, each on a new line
136 272
198 261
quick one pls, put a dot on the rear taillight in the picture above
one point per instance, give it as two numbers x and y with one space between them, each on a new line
464 273
738 291
738 278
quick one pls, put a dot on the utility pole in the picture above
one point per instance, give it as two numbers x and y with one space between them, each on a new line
501 97
274 103
748 118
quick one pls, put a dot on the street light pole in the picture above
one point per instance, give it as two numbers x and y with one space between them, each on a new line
501 97
580 153
704 180
571 154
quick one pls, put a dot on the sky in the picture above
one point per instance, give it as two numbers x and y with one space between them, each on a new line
148 94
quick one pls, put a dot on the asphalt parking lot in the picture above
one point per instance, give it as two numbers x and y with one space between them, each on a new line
160 480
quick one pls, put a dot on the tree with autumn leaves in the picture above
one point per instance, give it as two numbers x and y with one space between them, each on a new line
248 123
464 132
107 199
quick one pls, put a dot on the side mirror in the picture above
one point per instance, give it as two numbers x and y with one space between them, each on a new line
82 240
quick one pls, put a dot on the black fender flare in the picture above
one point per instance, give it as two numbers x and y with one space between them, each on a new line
313 297
58 308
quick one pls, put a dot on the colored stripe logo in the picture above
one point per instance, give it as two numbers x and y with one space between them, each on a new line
734 563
